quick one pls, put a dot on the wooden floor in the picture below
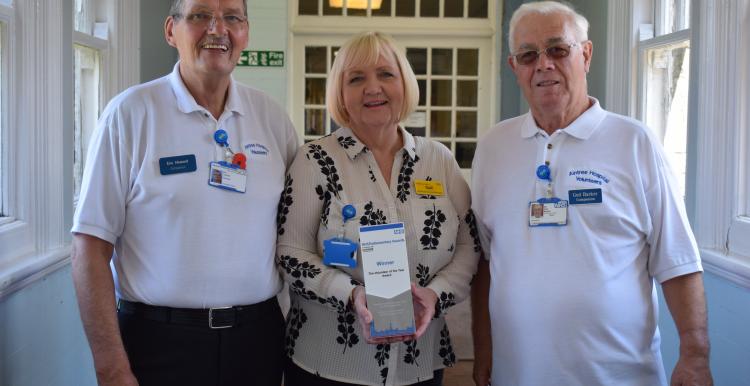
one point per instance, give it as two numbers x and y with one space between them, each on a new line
459 375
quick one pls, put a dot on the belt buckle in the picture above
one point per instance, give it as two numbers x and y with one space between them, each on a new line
211 318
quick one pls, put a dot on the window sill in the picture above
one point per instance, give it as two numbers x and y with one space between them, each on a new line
22 271
731 267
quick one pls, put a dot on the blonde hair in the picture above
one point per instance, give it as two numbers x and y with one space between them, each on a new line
365 49
580 24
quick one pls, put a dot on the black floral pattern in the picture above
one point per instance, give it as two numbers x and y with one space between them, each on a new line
347 337
383 353
285 202
404 177
324 196
293 267
445 301
384 374
423 275
433 222
372 175
372 216
412 353
295 320
471 221
446 348
346 142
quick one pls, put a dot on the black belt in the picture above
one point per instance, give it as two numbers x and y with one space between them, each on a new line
214 318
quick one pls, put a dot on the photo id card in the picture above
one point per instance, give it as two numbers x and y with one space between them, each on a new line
387 282
226 176
548 212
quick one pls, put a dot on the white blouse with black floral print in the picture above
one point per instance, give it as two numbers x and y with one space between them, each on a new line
323 335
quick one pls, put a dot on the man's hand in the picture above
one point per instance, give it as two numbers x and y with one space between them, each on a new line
117 378
692 371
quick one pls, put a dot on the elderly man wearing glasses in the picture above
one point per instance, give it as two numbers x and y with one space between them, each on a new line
579 215
180 193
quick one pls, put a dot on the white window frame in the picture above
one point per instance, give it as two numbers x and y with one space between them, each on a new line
306 27
35 238
718 122
6 27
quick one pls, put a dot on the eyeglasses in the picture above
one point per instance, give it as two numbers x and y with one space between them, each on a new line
555 52
208 21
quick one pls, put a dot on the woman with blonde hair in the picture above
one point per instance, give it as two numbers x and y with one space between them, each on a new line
369 166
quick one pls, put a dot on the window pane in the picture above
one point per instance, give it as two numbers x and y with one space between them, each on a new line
678 15
2 115
466 124
440 124
308 7
315 60
418 59
422 83
429 8
356 10
453 8
328 10
666 101
441 93
405 8
315 121
83 16
383 10
442 61
415 123
315 91
478 8
468 61
465 153
85 108
466 93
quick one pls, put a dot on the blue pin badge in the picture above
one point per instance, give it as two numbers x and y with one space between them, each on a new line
221 137
543 172
348 212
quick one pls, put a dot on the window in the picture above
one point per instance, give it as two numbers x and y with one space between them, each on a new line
664 78
397 8
89 40
38 121
448 58
698 49
3 109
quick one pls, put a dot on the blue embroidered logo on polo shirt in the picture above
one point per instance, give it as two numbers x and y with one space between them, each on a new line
588 176
256 149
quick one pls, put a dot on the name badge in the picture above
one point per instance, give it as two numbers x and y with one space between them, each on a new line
548 212
227 176
387 282
431 188
585 196
177 164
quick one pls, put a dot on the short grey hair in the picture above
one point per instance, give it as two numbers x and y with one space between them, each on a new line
580 24
175 10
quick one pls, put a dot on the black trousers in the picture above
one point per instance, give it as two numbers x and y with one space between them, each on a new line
164 353
296 376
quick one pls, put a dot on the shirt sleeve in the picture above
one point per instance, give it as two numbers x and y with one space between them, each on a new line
106 180
452 281
296 253
673 250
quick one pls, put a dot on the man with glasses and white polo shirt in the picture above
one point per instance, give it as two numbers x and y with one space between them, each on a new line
578 213
180 193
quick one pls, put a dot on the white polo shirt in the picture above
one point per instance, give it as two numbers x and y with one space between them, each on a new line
576 305
178 241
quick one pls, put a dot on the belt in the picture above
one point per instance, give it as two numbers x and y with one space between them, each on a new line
213 318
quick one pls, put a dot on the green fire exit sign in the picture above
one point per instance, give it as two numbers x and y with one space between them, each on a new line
261 59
